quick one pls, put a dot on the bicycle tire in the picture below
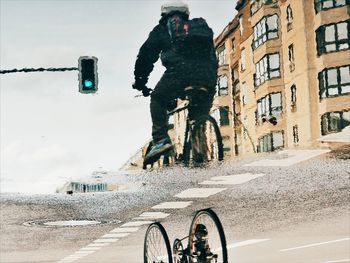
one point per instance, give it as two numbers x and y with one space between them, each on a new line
216 151
217 245
156 230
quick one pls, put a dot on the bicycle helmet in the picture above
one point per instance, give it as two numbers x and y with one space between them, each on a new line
172 6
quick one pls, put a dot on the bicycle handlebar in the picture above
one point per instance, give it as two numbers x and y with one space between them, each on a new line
177 110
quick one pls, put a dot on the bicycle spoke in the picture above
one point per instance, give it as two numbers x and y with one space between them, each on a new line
157 248
206 240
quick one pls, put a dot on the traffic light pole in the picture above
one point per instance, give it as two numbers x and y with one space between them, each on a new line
87 67
26 70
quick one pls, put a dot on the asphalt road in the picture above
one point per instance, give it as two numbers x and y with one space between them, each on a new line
295 213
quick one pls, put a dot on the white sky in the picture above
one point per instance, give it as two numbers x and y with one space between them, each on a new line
49 131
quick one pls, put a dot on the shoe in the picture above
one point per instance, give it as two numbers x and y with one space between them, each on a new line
157 150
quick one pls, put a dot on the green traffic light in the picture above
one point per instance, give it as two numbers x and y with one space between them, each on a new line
88 78
88 84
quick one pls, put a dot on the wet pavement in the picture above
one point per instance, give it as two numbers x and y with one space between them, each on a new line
292 199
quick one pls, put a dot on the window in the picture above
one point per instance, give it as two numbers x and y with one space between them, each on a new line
222 85
291 53
265 29
241 27
224 120
295 134
238 143
270 105
277 140
244 93
233 44
234 73
333 37
267 68
271 142
79 187
275 103
236 88
293 91
328 4
289 18
216 115
243 60
334 121
255 6
226 141
291 57
334 81
171 122
222 55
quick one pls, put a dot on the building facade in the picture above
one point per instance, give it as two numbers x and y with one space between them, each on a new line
284 74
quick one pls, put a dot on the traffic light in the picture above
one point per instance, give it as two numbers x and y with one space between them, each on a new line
88 78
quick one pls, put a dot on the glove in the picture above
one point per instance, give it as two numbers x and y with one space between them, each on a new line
146 92
138 86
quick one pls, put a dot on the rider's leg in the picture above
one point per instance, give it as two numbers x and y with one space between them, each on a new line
164 93
161 97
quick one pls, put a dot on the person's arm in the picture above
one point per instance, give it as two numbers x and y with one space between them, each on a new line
148 55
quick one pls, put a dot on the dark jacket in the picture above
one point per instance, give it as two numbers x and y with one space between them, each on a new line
159 44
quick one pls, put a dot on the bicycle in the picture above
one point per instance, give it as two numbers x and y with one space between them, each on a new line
202 141
206 242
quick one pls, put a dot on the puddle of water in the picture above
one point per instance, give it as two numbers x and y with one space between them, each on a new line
72 223
69 223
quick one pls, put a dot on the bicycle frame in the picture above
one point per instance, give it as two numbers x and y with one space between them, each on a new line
204 254
189 124
190 128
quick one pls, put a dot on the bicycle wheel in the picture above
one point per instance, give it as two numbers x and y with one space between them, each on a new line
205 144
207 242
156 245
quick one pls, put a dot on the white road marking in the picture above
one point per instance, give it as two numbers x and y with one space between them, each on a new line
338 261
114 235
84 252
172 205
151 215
68 260
74 257
90 248
106 240
98 245
293 157
136 223
316 244
199 192
232 179
246 243
71 259
124 229
133 226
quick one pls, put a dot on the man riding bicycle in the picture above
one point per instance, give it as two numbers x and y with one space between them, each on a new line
187 51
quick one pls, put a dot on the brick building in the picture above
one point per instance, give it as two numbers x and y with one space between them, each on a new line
284 74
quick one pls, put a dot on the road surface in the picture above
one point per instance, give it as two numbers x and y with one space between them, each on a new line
296 212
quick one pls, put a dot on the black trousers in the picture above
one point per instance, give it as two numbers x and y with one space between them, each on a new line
170 87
